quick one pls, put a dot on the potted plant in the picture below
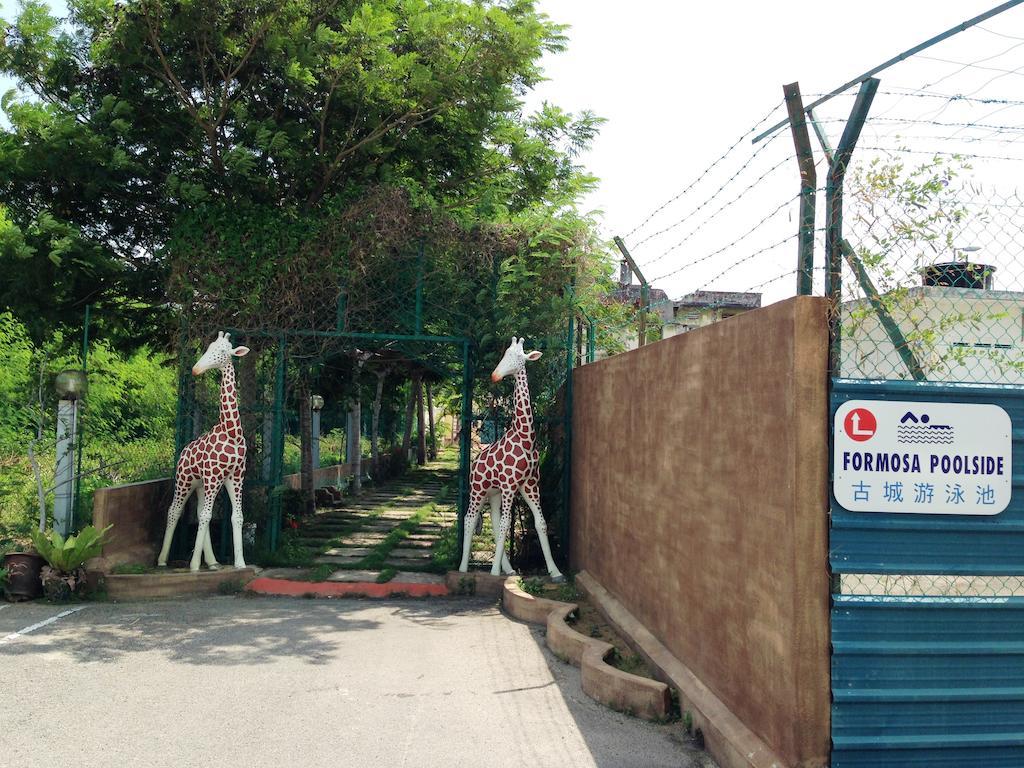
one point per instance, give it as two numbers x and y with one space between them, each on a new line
65 575
22 580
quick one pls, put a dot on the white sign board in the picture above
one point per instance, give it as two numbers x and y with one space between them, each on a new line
924 458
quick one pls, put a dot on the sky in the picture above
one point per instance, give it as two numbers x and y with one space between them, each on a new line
679 83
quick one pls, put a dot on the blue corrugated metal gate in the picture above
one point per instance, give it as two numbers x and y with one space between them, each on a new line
928 619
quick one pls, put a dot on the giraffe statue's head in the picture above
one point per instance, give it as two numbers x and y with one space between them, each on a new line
218 354
514 360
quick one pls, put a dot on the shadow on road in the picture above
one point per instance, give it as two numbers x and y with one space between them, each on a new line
217 631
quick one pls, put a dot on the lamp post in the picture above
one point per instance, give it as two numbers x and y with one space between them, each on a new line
965 250
71 387
316 403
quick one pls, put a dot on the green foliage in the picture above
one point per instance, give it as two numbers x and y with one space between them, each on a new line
905 219
320 572
131 569
230 587
3 579
127 419
151 124
532 586
386 574
67 555
289 554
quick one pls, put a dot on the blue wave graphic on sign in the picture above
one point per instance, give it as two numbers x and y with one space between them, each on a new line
921 434
917 429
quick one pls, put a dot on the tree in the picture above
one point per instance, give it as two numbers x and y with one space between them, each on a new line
276 164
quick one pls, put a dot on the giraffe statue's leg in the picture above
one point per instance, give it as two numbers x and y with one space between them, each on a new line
234 488
495 499
205 514
531 493
182 490
476 498
208 556
503 528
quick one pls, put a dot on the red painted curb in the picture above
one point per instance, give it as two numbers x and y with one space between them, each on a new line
284 587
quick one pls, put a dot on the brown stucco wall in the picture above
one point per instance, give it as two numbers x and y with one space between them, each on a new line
699 480
138 512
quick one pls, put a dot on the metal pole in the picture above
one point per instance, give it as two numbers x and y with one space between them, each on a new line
315 435
80 443
591 342
834 210
889 325
563 527
808 182
465 438
277 471
419 290
645 292
64 493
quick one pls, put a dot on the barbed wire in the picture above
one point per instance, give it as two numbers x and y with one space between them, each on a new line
706 171
725 185
739 239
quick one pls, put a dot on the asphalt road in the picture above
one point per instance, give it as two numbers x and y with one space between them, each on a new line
282 683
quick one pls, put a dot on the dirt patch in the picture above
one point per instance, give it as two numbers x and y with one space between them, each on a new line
589 622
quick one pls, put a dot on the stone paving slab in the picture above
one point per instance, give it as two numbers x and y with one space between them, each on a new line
338 560
418 544
363 539
410 552
357 552
412 577
354 576
283 573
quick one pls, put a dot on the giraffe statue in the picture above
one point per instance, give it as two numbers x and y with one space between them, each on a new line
506 467
215 459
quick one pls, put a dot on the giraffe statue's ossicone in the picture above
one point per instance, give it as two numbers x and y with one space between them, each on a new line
506 467
215 459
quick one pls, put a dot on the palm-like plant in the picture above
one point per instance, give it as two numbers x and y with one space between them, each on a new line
64 576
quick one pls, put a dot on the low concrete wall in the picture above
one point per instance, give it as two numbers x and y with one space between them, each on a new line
336 474
138 512
699 480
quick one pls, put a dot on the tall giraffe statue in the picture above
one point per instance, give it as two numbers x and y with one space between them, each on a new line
215 459
509 466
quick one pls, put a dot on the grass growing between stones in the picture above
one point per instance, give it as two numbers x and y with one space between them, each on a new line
375 560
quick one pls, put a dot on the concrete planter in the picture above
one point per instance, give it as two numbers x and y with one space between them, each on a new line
175 583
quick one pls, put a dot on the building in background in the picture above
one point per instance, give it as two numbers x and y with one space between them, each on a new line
957 327
695 310
692 311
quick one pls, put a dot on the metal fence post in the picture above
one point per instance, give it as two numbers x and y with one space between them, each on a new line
645 288
834 209
808 182
465 438
277 447
563 527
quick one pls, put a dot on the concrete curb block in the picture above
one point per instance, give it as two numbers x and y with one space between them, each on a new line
618 690
526 607
726 737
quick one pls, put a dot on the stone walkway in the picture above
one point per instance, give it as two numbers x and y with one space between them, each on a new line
392 533
393 528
